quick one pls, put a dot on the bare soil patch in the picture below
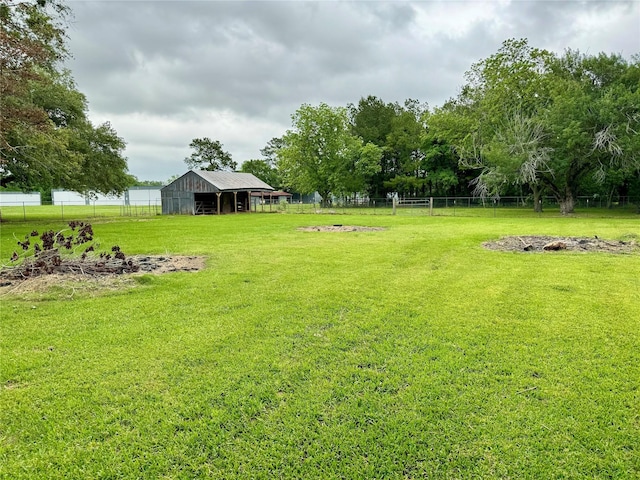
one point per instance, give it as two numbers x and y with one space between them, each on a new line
165 264
340 228
542 243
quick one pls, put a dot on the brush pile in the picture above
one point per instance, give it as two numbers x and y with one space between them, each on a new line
68 251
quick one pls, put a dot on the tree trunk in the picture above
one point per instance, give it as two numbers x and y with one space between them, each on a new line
567 203
326 199
537 198
610 197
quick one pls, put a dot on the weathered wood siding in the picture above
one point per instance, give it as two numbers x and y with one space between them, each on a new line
176 202
193 183
178 198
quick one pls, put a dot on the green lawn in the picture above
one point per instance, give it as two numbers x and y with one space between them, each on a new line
406 353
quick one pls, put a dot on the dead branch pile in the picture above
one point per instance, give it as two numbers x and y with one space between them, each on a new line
52 263
65 253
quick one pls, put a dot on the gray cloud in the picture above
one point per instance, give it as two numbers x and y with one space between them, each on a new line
164 72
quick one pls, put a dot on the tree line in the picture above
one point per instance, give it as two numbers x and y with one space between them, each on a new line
526 122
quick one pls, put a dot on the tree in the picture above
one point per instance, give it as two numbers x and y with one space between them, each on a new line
103 167
441 166
270 151
264 171
397 130
209 155
527 116
593 123
372 121
492 124
172 179
31 44
404 141
46 140
358 170
321 154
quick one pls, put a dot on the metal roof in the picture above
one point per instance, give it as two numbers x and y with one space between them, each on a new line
224 181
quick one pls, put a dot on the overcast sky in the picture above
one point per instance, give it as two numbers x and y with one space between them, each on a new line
165 72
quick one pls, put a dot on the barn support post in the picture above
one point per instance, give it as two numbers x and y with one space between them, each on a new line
235 202
218 195
262 200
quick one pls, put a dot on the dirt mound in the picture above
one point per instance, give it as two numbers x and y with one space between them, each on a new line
541 243
340 228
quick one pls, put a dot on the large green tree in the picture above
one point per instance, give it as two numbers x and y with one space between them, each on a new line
404 143
372 121
592 123
442 174
209 155
398 130
264 171
46 139
527 116
321 154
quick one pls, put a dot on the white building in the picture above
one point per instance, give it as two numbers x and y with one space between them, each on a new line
19 199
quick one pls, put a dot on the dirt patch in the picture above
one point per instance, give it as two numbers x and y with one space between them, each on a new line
340 228
85 275
541 243
165 264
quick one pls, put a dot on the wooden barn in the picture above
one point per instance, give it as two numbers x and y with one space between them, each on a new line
200 192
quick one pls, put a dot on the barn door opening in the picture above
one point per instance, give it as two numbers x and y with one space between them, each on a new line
205 204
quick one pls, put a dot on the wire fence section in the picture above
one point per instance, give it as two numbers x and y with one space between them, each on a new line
466 206
80 209
427 206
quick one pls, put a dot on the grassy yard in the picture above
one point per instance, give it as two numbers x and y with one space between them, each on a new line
411 352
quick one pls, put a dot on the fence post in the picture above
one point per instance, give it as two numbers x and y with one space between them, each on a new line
431 206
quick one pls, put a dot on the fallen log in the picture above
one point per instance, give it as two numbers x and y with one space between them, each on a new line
557 245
